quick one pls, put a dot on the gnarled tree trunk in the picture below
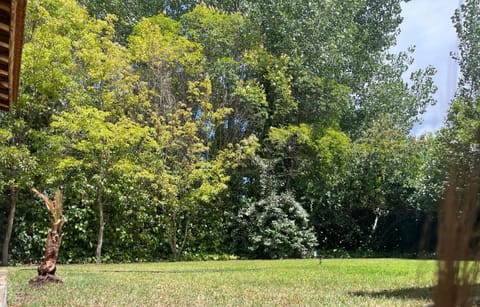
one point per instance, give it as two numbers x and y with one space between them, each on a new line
54 239
46 271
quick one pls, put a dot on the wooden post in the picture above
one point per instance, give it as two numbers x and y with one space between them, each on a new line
3 288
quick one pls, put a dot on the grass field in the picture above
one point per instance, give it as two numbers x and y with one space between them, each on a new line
342 282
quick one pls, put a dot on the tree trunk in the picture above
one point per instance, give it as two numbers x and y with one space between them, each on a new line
11 217
173 237
54 239
101 226
185 237
375 224
175 246
46 271
172 242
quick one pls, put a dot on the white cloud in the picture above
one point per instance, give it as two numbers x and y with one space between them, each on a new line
427 24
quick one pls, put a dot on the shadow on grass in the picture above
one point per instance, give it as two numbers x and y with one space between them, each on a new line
417 293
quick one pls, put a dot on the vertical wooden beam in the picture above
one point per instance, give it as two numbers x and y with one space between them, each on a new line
16 44
3 288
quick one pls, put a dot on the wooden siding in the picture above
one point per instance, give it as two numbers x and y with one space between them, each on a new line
12 18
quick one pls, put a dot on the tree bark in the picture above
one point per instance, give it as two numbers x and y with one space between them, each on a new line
173 241
173 237
46 271
98 251
11 217
54 239
184 241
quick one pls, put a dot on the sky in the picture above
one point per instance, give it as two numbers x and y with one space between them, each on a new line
427 25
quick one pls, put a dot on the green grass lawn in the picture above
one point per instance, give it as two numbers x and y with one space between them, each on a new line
336 282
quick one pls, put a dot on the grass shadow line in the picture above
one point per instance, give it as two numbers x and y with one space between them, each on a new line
179 271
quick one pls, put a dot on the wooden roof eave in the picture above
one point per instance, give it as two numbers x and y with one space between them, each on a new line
12 20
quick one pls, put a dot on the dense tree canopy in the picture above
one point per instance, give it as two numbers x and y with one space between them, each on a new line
254 128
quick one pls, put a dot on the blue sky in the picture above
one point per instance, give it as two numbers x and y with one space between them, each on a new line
427 25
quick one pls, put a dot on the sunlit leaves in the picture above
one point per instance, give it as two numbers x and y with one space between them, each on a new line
183 171
158 42
221 35
17 165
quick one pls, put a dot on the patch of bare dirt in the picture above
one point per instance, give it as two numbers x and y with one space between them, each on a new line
44 280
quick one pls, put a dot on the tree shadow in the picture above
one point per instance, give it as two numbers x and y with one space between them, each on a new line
414 293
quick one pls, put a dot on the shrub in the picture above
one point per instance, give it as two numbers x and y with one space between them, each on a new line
274 227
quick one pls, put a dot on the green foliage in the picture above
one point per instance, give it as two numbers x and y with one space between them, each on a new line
334 38
159 42
158 123
387 176
181 173
275 227
387 94
468 30
97 149
221 35
461 134
17 165
131 12
167 61
386 157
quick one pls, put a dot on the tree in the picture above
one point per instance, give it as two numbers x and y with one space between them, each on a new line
221 35
462 131
339 40
81 71
90 142
17 170
46 271
131 12
387 164
458 217
166 59
467 27
182 173
386 93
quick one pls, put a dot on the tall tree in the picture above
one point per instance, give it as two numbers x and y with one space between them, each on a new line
166 59
17 170
337 39
183 173
91 142
458 217
44 80
462 127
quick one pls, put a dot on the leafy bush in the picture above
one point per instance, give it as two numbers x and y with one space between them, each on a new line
274 227
207 257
